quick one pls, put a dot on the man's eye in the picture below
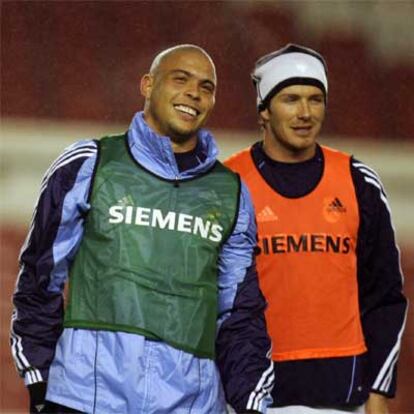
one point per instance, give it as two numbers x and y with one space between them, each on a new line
207 88
180 79
317 99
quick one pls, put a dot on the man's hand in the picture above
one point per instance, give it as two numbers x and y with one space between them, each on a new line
376 404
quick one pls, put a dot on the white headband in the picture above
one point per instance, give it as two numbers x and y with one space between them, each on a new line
287 66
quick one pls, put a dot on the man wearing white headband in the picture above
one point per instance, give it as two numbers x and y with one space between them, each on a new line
328 263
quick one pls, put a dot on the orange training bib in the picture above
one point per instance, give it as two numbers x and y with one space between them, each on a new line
307 265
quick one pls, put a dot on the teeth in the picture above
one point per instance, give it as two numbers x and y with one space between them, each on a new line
187 110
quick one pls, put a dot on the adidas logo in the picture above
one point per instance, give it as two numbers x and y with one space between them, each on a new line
267 214
126 201
336 205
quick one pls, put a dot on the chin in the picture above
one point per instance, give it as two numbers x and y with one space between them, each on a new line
180 136
306 142
185 128
302 146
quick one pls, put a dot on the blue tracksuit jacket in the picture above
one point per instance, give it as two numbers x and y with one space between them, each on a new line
117 372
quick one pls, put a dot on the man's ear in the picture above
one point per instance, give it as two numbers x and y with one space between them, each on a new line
147 82
264 115
263 118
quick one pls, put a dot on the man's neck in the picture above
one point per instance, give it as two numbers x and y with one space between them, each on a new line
189 145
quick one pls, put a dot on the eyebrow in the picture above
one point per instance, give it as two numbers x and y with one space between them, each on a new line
185 72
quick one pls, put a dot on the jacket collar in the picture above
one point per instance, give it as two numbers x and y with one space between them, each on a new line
154 152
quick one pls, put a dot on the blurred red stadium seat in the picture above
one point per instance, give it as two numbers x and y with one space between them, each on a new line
398 104
355 92
83 60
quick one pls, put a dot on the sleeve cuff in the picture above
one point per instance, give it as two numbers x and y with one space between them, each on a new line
32 376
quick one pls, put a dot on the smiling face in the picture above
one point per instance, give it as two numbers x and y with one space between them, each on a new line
179 95
292 123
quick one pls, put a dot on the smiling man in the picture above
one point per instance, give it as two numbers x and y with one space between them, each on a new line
180 94
328 263
156 238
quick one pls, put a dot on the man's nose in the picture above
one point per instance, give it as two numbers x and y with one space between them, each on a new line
193 90
304 110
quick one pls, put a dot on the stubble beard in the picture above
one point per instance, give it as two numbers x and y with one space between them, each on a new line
179 135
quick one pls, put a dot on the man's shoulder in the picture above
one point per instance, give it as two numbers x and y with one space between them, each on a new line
236 161
112 137
73 156
335 153
367 181
82 145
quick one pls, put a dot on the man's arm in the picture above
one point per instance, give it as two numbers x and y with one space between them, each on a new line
383 305
52 240
243 345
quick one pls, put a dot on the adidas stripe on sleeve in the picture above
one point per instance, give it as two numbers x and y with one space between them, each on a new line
384 311
38 308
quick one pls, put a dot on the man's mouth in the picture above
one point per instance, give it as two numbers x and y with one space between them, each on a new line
187 110
302 130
